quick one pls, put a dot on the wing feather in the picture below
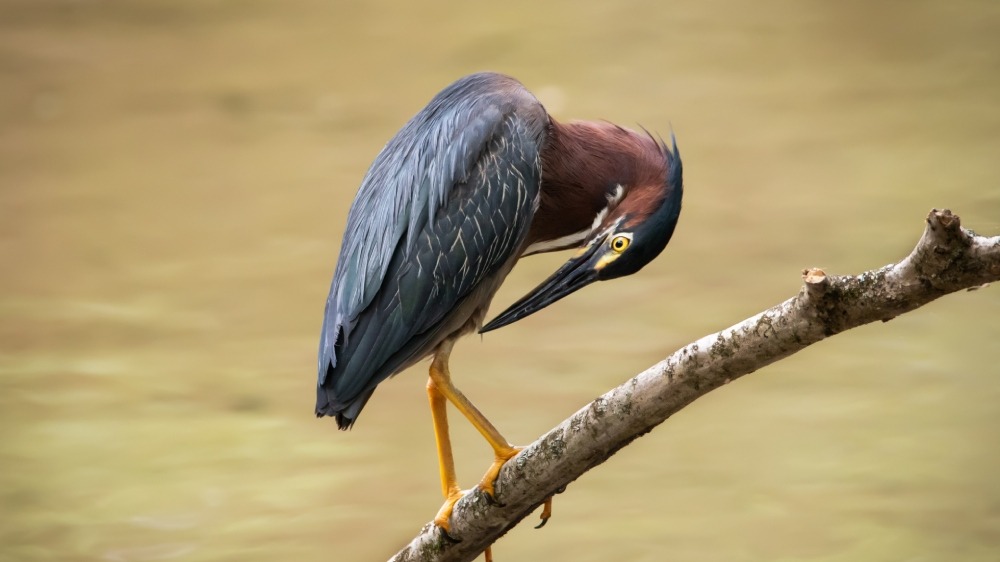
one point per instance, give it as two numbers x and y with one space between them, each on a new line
444 207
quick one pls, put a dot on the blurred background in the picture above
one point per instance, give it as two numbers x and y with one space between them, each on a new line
174 181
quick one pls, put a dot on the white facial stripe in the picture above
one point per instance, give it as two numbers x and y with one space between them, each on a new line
613 200
568 241
571 240
604 233
599 219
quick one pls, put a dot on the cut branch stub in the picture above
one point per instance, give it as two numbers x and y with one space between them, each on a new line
946 259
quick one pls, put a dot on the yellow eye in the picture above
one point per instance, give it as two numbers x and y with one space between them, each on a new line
619 243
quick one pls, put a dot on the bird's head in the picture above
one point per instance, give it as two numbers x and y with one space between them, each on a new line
625 237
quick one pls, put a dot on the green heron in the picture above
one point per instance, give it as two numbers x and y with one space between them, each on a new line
479 178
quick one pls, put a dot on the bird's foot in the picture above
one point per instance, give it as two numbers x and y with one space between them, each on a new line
488 483
546 512
443 522
443 518
547 507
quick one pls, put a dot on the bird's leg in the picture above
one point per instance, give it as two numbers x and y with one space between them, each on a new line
439 389
502 450
446 462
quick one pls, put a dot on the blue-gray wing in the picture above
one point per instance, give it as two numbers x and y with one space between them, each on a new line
445 207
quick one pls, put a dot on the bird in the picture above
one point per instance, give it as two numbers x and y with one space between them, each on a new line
478 179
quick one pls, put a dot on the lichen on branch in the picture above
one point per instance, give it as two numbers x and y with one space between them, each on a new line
946 259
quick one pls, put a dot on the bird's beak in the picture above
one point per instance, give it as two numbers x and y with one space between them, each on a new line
575 274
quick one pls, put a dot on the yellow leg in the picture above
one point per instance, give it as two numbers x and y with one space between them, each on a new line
439 389
446 462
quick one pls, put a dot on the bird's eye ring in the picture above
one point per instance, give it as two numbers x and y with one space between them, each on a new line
620 243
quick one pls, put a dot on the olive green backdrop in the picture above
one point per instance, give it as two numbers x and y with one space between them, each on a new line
174 181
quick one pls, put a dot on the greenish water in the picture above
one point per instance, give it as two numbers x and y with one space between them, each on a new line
174 179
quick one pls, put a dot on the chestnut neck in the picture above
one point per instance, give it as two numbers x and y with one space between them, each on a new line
583 163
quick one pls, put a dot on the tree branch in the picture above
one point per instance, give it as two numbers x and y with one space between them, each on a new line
947 259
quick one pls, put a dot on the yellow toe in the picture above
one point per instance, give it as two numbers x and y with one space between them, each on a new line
443 517
487 484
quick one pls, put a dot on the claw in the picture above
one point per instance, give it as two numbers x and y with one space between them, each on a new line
492 500
444 535
546 512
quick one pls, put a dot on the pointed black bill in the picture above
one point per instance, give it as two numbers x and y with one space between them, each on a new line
575 274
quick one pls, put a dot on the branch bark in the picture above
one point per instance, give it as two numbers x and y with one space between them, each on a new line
947 259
